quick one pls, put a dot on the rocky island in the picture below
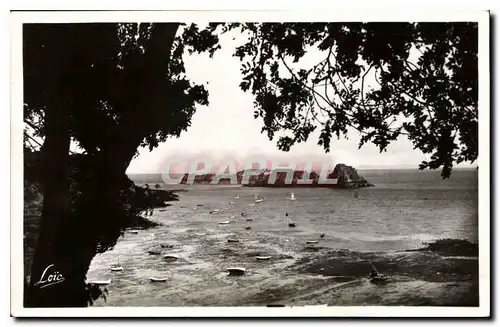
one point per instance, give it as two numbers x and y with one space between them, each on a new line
347 177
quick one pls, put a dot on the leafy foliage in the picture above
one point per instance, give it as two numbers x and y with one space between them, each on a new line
423 85
122 86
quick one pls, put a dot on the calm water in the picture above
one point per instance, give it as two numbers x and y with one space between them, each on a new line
404 210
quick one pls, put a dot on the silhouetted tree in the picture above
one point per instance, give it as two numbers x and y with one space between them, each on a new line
111 89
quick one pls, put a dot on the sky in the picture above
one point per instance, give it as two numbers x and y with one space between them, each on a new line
226 126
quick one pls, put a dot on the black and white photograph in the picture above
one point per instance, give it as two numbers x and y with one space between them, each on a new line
237 164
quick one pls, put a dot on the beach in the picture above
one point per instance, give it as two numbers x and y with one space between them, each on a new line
388 225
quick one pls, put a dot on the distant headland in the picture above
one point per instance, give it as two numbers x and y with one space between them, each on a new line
342 176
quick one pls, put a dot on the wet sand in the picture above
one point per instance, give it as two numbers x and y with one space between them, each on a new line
296 273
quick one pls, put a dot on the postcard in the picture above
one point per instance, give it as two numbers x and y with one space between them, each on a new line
250 164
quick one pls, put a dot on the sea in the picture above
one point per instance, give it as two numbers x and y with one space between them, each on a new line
325 259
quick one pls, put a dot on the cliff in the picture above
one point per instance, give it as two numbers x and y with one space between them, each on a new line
347 177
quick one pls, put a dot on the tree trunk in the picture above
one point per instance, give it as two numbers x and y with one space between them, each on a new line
68 241
49 289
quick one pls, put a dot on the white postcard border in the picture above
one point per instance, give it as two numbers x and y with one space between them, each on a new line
17 18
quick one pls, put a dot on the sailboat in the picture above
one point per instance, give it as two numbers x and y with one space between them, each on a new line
258 199
117 267
376 277
292 197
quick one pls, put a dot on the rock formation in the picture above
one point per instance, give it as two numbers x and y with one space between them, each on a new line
348 177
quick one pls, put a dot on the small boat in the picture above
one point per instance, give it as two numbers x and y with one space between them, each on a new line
117 266
292 197
101 282
237 197
161 210
248 227
201 234
258 199
232 217
243 214
224 222
214 211
195 208
199 205
158 279
236 271
155 252
322 235
263 258
171 257
311 242
376 277
232 240
231 203
249 219
168 246
134 232
291 224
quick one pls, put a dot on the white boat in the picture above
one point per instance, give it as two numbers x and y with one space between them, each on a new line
100 282
134 232
201 234
171 257
292 197
231 203
236 270
214 211
263 258
237 197
224 222
158 279
258 199
311 242
117 268
232 217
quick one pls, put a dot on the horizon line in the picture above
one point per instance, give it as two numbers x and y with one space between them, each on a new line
357 168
